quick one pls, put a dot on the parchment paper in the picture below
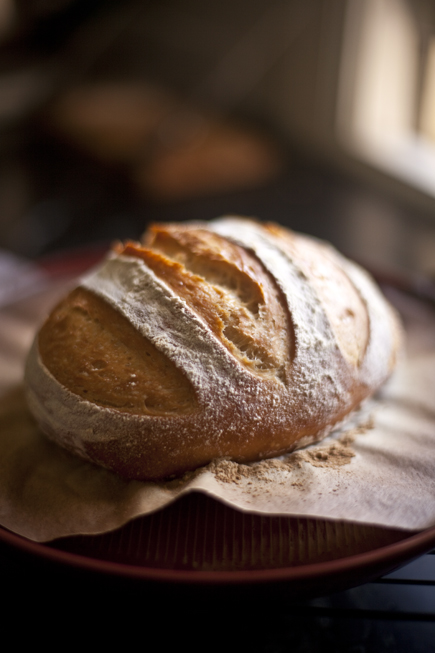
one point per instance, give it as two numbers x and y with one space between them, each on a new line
377 469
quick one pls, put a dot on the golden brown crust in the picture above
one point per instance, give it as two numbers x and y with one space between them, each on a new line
95 352
342 302
226 286
226 339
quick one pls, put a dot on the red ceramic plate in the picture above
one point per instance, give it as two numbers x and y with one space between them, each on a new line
199 541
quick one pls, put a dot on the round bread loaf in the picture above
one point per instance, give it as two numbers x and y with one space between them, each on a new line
208 340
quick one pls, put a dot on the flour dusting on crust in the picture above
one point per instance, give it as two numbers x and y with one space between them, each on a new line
241 414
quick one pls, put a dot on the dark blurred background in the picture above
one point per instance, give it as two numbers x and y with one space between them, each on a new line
319 114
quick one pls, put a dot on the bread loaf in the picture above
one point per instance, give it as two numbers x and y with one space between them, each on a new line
207 340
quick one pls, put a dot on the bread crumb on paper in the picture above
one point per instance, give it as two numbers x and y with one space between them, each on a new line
335 454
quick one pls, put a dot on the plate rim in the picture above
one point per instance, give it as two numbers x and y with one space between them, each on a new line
381 559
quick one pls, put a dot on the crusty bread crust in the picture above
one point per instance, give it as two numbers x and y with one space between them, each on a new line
223 339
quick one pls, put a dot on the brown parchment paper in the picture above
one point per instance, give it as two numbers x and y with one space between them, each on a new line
379 468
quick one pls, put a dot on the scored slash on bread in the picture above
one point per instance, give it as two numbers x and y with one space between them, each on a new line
207 340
